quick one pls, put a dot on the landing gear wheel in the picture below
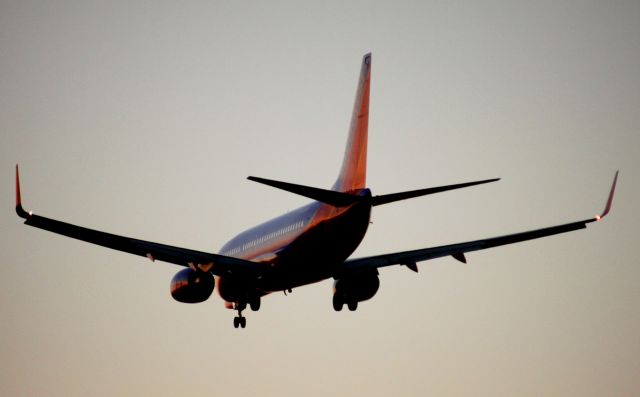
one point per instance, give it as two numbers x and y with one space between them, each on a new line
338 302
239 322
353 305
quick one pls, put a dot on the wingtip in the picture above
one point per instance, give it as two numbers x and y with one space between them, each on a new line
18 198
607 207
19 210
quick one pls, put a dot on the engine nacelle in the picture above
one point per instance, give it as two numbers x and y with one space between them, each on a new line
191 286
355 288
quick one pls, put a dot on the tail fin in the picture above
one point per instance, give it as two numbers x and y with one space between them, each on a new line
354 165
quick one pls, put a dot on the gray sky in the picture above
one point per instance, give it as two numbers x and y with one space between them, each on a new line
145 119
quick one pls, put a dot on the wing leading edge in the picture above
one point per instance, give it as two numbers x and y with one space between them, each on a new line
219 265
410 258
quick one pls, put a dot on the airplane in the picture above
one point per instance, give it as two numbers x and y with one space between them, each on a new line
310 244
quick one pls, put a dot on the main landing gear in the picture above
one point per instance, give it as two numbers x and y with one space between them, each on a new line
239 321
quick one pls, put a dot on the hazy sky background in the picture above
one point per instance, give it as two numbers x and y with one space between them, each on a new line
144 119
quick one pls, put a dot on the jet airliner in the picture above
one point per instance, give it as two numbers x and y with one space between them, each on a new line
304 246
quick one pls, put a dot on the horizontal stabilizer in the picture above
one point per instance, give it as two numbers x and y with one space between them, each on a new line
390 198
340 199
336 199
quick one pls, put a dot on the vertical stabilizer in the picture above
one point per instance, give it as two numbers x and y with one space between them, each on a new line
354 165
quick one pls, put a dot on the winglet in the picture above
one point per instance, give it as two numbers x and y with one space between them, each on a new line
607 208
21 212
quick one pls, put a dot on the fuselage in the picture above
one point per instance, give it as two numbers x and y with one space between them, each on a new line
304 245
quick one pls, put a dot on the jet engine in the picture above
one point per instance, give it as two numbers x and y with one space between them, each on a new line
353 289
192 286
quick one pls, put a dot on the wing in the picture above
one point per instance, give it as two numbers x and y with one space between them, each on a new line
219 265
410 258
